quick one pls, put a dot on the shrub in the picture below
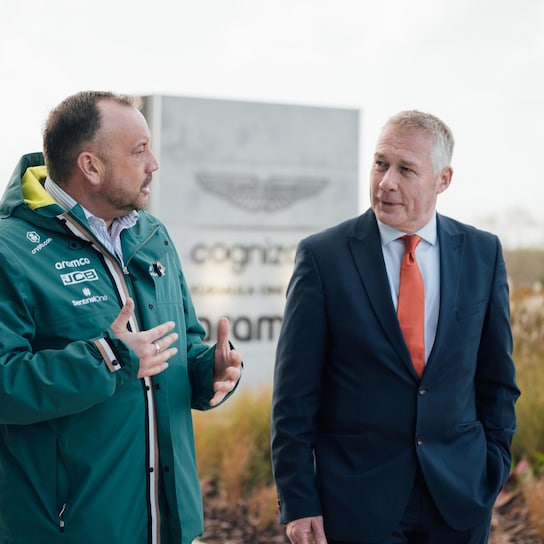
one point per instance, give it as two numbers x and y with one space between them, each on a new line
528 332
233 449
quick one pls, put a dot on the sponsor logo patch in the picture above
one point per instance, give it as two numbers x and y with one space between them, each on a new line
79 276
89 298
74 263
35 238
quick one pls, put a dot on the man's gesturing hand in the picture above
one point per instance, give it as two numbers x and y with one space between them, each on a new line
227 364
151 346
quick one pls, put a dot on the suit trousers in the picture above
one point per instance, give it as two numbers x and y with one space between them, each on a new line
422 523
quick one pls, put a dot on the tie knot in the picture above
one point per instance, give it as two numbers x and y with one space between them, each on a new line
410 242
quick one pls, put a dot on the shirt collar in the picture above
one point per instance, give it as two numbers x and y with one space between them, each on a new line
428 232
67 202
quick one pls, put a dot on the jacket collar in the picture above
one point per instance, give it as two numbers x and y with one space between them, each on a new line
451 241
366 251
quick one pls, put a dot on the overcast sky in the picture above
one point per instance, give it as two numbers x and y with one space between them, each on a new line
478 64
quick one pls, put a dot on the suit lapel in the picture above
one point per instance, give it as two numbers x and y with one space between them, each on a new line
366 251
451 246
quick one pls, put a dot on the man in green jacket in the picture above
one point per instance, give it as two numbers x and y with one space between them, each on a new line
101 353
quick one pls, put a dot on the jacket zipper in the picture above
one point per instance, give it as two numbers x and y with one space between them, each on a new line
117 271
61 518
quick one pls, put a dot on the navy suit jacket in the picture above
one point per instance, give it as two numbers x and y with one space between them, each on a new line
350 419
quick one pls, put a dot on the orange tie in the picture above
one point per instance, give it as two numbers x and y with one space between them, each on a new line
411 303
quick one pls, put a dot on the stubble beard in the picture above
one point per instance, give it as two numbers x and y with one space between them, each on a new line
123 200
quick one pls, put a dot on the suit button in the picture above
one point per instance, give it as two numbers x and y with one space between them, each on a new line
422 390
419 441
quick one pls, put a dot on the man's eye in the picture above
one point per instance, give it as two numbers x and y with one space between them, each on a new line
379 165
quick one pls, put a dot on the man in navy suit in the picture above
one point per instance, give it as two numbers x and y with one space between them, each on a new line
365 449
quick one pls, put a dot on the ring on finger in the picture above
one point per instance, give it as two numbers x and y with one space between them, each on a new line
157 348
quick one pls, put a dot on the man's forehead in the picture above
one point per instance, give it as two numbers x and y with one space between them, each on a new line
123 118
408 143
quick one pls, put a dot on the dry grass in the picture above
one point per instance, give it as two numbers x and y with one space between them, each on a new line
528 331
233 449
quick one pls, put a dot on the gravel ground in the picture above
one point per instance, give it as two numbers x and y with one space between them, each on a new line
510 525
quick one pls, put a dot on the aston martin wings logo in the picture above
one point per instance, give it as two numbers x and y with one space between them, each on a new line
270 194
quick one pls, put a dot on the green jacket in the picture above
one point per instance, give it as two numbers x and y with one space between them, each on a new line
89 453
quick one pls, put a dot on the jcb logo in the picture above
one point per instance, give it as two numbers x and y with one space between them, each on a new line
79 276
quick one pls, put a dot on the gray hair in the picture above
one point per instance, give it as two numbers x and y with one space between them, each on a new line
442 152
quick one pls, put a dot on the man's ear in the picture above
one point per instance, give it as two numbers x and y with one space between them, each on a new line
90 166
445 179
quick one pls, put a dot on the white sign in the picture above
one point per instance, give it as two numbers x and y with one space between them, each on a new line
239 185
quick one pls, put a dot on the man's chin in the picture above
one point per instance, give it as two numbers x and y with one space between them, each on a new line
387 213
142 202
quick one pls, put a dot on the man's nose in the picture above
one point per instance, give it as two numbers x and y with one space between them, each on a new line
389 181
153 163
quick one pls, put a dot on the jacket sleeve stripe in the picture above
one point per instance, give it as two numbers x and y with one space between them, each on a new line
109 356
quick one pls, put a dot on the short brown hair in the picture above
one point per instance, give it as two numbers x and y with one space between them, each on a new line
75 121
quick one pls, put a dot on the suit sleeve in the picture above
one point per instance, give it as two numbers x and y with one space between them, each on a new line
298 373
496 390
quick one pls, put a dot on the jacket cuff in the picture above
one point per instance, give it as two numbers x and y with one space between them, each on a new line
109 354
